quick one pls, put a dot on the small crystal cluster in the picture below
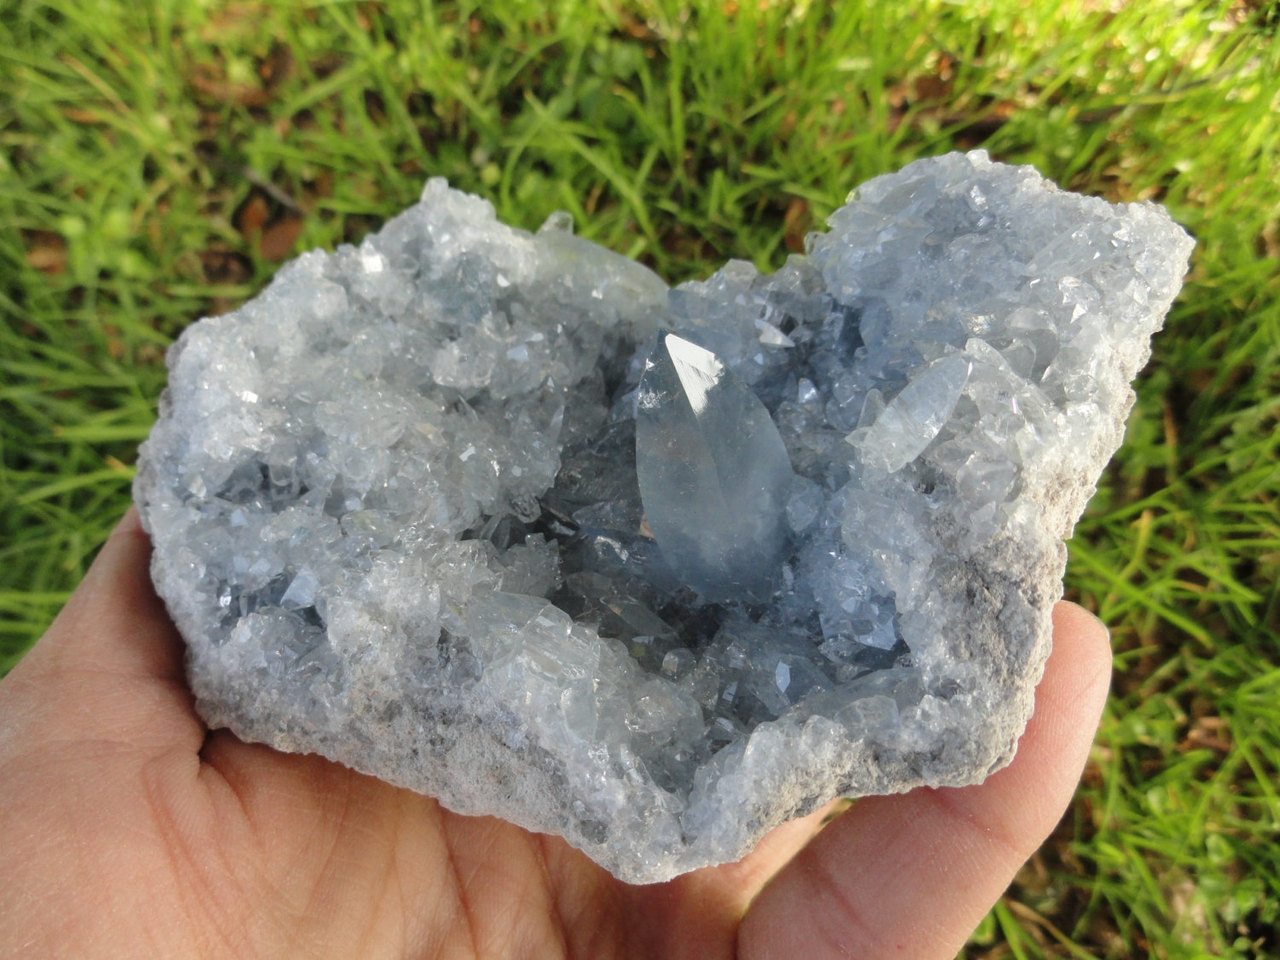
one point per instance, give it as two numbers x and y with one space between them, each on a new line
499 517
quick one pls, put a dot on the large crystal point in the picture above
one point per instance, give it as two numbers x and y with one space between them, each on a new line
714 474
916 415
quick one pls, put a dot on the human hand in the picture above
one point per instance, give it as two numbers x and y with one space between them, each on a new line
128 829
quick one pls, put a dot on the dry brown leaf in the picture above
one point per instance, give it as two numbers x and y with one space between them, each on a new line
279 238
47 252
796 223
276 67
252 216
207 79
224 266
83 115
1208 733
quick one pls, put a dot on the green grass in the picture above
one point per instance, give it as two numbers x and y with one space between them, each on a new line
160 158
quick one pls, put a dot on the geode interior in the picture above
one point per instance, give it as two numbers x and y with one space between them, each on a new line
463 508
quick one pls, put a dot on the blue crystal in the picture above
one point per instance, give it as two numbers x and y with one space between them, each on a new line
713 472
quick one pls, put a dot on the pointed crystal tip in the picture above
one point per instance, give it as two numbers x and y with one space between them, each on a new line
713 473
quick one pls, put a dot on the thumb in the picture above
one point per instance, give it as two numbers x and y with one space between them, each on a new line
110 665
912 875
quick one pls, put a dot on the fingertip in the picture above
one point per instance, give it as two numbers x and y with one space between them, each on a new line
1074 624
1078 673
118 582
114 621
123 561
111 661
130 525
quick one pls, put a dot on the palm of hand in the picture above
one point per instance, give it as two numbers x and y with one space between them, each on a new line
131 830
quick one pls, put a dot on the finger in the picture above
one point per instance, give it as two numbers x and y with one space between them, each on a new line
696 914
777 848
110 665
114 622
913 875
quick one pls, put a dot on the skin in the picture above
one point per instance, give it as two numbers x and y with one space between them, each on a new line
131 830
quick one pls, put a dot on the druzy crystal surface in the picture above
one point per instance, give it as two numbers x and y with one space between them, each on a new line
499 517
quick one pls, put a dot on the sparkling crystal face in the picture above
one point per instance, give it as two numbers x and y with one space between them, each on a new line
451 509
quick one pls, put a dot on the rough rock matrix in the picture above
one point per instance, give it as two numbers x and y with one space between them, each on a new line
499 517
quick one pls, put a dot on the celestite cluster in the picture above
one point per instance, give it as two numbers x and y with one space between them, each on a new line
499 517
